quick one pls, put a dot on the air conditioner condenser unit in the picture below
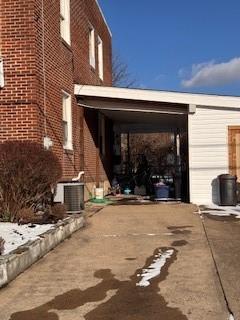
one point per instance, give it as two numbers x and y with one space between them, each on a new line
71 194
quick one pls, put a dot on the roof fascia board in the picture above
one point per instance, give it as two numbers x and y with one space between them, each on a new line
103 16
158 96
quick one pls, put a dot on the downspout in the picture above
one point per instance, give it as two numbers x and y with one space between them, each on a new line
44 70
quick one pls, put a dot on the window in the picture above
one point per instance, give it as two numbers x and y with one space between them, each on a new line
92 47
100 58
1 73
67 121
65 20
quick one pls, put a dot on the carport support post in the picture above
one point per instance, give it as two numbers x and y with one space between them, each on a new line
177 181
128 150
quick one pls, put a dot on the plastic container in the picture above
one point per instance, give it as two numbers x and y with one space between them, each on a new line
99 193
161 191
228 190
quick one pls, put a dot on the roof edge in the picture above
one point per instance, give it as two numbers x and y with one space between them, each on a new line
103 16
158 96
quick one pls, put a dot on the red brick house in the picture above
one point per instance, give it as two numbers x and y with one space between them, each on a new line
56 88
45 48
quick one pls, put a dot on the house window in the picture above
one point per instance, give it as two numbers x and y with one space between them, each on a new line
100 58
1 73
67 121
102 135
65 20
92 47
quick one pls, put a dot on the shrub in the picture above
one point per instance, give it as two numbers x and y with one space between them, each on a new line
28 175
1 245
26 215
58 211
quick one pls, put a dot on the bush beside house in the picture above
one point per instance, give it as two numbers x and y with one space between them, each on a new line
29 175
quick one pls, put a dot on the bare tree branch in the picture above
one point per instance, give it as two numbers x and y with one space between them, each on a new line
120 74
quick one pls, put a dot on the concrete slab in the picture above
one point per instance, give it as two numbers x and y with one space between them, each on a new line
224 237
14 263
94 275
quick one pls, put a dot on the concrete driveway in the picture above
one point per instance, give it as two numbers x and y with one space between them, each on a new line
224 238
110 271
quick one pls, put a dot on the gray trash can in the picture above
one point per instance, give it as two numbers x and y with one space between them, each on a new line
228 190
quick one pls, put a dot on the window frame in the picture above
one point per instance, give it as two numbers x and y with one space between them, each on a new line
67 120
2 82
100 58
65 21
92 47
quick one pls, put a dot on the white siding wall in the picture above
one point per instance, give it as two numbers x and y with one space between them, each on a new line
208 150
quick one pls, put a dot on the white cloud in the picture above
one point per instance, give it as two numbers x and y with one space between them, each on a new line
208 74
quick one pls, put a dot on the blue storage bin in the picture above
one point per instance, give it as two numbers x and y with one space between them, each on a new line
161 191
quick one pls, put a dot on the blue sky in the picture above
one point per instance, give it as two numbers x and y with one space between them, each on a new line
186 45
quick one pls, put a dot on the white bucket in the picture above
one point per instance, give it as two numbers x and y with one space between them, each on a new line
99 193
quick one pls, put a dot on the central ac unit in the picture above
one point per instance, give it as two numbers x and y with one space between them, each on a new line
71 194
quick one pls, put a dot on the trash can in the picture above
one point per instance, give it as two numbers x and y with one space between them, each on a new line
228 190
161 191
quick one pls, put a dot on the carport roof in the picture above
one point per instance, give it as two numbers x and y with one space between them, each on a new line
144 95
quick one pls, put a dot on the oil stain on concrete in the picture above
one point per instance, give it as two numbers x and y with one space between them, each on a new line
179 243
131 302
180 230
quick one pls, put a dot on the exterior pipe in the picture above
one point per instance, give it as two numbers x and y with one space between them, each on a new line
78 178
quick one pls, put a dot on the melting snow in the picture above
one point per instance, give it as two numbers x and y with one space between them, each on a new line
155 268
131 235
222 211
17 235
231 317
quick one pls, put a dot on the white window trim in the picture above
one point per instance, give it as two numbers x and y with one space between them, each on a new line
92 54
100 58
65 20
67 117
2 82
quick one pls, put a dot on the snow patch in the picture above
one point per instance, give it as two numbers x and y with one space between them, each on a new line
168 234
222 211
17 235
111 235
154 269
131 235
231 317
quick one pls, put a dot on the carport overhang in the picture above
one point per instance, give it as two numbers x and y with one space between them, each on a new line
149 111
131 100
142 100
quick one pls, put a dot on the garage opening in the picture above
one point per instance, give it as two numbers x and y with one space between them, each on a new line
150 154
142 140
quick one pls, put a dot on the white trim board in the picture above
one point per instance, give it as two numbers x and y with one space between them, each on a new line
103 16
158 96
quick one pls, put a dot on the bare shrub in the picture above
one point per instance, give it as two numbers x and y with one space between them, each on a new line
2 241
28 174
26 215
58 211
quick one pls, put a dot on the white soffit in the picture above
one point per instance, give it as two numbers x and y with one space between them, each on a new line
157 96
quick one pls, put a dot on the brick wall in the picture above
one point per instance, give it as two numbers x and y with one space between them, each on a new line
18 116
31 102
